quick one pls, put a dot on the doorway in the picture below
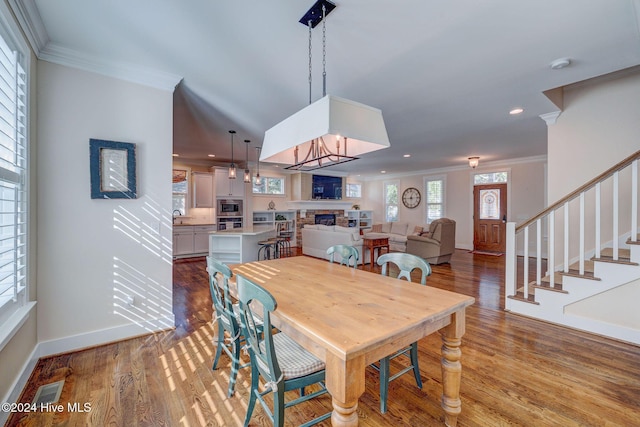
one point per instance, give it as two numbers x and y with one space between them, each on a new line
489 217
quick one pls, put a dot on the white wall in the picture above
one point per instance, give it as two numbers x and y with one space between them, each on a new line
92 252
526 194
598 127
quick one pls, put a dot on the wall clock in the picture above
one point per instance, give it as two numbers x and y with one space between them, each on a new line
411 197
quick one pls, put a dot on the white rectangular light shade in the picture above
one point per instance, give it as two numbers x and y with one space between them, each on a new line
327 117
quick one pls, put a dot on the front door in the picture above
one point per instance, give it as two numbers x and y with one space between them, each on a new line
489 217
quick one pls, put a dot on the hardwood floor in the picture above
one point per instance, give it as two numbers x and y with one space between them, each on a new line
515 371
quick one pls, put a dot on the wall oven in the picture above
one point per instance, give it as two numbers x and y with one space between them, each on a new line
229 207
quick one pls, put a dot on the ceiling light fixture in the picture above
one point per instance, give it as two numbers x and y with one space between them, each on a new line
473 161
258 180
232 166
302 141
247 172
406 155
516 111
211 155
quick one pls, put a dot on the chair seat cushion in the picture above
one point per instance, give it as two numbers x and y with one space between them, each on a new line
236 311
293 359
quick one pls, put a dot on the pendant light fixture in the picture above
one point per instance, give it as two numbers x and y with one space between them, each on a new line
247 173
258 180
305 141
232 166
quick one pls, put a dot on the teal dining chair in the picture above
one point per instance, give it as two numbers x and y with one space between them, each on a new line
406 263
282 363
348 254
227 317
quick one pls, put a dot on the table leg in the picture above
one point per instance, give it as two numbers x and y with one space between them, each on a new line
372 252
452 368
345 383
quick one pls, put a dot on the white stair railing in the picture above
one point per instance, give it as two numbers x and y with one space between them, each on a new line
574 249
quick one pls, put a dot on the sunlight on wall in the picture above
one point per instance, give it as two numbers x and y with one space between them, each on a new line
140 298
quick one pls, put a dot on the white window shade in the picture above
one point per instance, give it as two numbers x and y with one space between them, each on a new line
327 119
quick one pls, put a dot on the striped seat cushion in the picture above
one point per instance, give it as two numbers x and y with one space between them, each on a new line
293 359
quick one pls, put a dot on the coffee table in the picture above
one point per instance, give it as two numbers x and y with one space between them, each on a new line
373 244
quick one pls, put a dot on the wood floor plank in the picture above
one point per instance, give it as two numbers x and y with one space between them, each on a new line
516 371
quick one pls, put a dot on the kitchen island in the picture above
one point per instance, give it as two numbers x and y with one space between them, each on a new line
237 246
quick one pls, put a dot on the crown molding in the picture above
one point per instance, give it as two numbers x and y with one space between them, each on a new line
28 17
550 118
144 76
437 171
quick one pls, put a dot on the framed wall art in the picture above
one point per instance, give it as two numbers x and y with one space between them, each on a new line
113 169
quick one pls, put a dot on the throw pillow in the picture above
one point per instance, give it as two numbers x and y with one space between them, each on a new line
376 228
325 227
417 231
399 228
342 229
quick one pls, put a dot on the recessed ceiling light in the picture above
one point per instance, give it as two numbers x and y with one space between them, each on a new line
516 111
383 171
560 63
175 155
211 155
407 155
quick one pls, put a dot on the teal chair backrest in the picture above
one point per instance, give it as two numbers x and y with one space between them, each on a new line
406 263
348 254
219 276
265 356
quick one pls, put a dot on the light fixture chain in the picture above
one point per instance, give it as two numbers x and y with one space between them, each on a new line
324 51
309 62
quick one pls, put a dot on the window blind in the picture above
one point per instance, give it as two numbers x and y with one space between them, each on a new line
13 164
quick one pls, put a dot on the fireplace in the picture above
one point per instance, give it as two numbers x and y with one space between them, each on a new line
325 219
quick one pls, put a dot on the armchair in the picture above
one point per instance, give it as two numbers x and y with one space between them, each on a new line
437 245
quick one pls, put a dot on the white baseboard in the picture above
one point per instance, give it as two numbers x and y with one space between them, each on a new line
78 342
104 336
20 383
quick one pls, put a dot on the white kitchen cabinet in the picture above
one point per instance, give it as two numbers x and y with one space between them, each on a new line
182 240
202 190
191 240
201 238
229 188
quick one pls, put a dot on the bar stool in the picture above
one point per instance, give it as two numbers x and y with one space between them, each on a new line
267 249
284 234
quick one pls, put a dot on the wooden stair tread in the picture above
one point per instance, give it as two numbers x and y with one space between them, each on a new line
634 242
520 297
557 278
557 287
624 256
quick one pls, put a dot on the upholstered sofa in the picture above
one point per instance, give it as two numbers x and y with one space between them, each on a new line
437 244
396 232
316 239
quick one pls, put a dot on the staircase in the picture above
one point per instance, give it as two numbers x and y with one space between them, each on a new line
577 263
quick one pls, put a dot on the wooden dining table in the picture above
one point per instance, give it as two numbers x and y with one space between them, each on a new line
351 318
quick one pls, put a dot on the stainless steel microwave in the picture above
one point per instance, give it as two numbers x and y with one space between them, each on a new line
229 207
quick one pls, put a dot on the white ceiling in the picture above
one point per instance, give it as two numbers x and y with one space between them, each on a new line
444 73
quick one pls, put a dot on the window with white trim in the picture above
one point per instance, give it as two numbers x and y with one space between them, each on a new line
490 178
391 200
180 190
13 175
434 198
269 185
354 191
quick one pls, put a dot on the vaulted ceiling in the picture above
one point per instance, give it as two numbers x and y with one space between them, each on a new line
444 73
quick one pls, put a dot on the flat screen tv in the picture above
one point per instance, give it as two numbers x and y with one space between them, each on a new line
327 187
